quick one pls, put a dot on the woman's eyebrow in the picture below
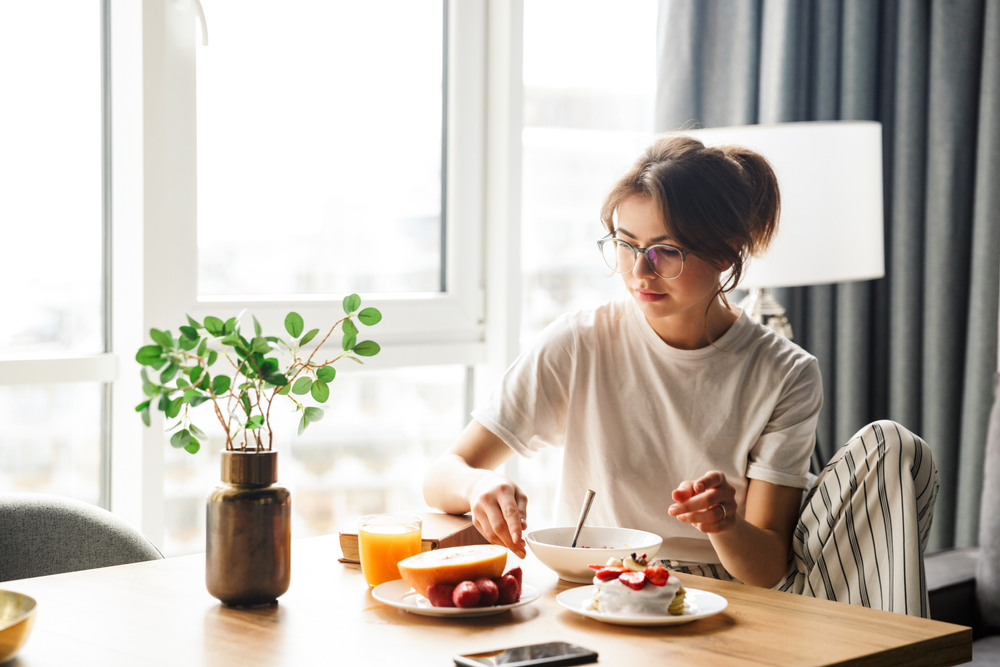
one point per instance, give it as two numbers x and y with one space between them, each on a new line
658 239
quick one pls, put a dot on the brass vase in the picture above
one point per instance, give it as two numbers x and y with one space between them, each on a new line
248 546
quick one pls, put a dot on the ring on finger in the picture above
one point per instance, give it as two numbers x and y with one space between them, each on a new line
725 514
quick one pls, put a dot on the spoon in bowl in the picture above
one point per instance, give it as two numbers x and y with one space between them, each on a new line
587 502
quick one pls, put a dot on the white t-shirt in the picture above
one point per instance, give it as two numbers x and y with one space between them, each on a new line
636 417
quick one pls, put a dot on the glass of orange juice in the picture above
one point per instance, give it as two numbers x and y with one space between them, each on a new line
384 540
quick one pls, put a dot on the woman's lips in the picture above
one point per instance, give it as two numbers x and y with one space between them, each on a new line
643 295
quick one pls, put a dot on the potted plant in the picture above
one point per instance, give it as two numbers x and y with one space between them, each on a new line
248 515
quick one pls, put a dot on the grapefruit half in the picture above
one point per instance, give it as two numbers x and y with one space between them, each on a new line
452 565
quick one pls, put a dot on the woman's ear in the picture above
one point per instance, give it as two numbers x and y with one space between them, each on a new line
724 266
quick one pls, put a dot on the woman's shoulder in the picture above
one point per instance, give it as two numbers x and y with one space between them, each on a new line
774 350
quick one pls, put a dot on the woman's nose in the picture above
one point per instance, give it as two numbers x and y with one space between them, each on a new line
642 269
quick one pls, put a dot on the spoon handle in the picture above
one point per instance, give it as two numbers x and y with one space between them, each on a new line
587 502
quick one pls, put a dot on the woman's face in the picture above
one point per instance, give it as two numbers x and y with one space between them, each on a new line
678 305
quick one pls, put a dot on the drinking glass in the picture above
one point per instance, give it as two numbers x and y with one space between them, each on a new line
384 540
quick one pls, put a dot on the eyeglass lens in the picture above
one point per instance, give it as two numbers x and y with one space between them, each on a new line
667 262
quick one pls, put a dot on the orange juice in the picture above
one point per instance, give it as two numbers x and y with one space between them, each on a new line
382 546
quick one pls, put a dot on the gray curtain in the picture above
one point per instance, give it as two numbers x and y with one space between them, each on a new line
920 345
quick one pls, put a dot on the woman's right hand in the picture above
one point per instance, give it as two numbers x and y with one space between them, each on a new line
499 511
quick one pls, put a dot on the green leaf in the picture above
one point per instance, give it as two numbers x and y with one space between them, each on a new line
191 393
326 373
348 327
164 404
212 356
230 326
180 439
366 348
195 373
192 447
145 415
220 384
356 360
149 354
302 386
260 345
320 391
198 400
175 407
254 422
189 332
215 326
309 336
150 389
187 344
349 341
351 303
142 406
294 324
256 326
160 363
182 383
269 366
370 316
163 339
302 424
246 403
284 390
312 414
196 431
168 373
231 339
277 379
193 322
204 383
202 347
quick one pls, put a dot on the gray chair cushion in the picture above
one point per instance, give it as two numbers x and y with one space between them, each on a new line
988 567
42 534
986 652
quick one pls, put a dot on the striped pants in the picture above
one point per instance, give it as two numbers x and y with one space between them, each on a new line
864 525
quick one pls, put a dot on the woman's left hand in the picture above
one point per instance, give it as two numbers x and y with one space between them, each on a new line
708 503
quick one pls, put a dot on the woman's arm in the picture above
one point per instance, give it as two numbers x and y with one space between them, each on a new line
754 547
463 480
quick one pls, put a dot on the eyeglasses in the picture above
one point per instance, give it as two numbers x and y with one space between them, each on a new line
666 261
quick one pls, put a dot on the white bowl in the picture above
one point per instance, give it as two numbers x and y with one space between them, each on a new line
551 546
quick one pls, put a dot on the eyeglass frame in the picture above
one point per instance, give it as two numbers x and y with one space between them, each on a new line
645 253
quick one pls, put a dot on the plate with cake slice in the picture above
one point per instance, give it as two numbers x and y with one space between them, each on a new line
696 604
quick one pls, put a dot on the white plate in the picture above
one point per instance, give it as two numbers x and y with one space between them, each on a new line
399 594
697 604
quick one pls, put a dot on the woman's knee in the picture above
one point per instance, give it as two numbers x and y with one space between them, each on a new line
888 439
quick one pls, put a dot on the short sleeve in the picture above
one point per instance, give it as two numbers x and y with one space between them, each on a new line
527 408
782 453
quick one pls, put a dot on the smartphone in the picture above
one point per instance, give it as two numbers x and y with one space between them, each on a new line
550 655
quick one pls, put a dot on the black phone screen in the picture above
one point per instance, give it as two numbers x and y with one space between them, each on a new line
550 655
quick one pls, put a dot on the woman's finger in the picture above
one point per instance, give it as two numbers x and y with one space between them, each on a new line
710 480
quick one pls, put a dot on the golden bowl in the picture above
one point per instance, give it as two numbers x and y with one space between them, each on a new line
17 615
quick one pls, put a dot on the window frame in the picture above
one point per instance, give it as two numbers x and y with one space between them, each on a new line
474 321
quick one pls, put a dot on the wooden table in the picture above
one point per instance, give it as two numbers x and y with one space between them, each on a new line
158 613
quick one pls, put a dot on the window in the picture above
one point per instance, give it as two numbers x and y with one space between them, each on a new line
322 120
52 332
336 149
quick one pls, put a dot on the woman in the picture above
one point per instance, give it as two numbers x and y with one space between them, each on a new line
670 389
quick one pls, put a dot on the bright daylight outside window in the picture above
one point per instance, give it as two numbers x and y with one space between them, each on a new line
589 90
319 172
50 215
319 147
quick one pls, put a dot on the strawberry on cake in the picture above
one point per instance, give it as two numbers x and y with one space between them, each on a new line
632 586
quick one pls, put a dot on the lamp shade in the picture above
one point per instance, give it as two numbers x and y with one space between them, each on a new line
830 176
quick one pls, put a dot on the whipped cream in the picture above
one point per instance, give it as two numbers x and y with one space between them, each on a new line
614 597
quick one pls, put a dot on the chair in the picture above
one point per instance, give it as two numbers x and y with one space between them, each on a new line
964 584
42 534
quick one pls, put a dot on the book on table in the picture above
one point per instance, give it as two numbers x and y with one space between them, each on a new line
437 531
